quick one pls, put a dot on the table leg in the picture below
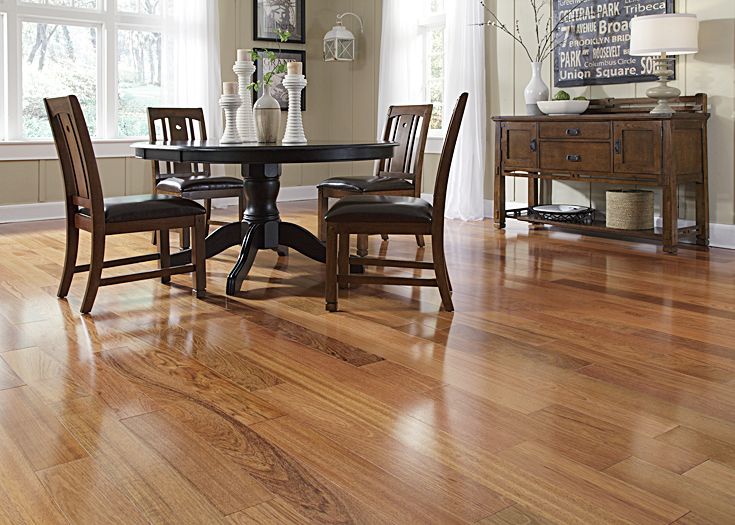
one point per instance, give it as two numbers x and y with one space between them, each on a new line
218 241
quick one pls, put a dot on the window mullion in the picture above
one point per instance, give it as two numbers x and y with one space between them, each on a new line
109 70
13 68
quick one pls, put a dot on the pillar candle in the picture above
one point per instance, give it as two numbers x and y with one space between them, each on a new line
244 54
295 68
229 88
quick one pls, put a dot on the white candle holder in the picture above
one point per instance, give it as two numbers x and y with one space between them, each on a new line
244 70
230 103
294 125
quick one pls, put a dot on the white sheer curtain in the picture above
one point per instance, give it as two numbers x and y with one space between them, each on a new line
190 62
464 70
401 57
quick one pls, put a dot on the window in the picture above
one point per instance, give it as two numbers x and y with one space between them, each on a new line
106 52
432 30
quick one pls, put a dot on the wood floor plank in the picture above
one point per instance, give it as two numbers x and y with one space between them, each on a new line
455 492
713 474
271 512
708 446
160 493
85 495
225 485
680 490
23 499
514 516
8 378
36 430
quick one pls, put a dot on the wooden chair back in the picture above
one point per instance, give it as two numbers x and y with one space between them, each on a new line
445 165
409 127
78 162
182 124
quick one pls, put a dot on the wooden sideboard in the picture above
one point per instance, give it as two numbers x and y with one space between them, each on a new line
615 142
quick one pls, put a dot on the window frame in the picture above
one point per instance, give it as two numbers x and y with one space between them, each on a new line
108 21
427 24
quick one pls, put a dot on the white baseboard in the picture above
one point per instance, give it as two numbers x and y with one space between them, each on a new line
44 211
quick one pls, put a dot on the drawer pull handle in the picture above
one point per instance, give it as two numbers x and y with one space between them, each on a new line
573 132
618 146
534 145
574 158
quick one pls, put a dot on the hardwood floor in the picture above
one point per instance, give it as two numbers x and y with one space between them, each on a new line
580 381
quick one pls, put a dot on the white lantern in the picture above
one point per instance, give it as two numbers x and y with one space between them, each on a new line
339 42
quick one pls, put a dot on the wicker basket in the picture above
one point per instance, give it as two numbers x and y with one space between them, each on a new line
629 209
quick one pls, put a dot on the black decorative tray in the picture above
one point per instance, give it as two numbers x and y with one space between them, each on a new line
563 213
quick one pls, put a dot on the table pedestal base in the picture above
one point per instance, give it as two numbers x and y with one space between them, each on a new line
260 229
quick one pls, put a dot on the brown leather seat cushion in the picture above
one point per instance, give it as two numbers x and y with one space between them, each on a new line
366 184
380 208
148 207
182 184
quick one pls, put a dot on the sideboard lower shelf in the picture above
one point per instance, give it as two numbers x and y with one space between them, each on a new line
598 226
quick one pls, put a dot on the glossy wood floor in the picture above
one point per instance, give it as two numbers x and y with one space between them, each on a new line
581 381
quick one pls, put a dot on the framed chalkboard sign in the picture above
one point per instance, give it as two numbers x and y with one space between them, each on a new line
595 41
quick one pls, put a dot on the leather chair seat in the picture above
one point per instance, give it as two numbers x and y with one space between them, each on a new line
366 184
380 209
199 183
147 208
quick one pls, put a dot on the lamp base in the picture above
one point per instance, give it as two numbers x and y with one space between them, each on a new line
663 93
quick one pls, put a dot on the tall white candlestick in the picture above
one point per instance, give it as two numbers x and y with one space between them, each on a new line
244 70
294 125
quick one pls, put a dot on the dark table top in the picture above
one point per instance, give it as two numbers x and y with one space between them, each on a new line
211 151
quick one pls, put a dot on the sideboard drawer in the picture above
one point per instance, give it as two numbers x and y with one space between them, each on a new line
575 130
576 156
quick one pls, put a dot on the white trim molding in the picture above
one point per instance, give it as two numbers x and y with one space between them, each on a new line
44 211
45 150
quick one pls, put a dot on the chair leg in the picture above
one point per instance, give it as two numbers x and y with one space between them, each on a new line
208 207
164 249
442 275
95 272
384 237
322 208
184 239
330 289
70 259
199 257
362 245
420 241
343 258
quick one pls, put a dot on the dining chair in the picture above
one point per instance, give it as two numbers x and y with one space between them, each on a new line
187 179
396 176
373 214
88 210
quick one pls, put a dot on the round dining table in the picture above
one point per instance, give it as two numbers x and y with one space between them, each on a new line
261 227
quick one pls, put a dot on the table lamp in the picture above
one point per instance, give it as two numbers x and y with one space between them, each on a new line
664 36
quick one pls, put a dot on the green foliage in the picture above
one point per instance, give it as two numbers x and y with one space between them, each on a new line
580 98
280 65
562 95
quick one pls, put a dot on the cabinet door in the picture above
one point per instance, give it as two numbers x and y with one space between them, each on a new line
637 147
519 145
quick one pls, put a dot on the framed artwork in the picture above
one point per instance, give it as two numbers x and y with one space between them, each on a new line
595 47
270 16
264 65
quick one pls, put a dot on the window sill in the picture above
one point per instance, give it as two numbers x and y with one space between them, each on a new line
45 149
434 144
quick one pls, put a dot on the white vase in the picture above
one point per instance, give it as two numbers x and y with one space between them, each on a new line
535 90
267 112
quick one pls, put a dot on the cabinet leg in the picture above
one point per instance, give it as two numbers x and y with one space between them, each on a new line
499 202
671 218
702 200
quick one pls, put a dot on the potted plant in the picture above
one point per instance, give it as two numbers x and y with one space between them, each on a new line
547 40
267 110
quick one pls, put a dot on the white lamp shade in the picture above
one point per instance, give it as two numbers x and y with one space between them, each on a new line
339 44
673 34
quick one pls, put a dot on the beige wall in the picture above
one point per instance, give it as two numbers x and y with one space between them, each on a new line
341 105
711 71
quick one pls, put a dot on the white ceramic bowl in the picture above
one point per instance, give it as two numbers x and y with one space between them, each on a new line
563 107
